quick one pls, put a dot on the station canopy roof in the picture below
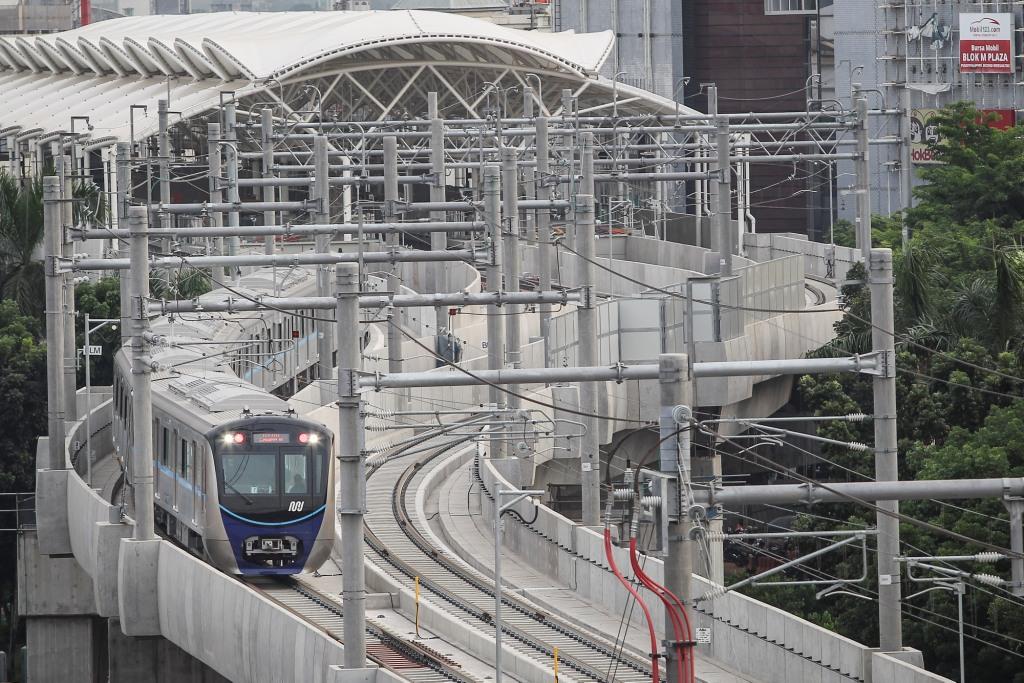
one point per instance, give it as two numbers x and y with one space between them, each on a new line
366 65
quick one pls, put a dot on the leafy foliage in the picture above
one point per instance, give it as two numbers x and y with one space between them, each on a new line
959 289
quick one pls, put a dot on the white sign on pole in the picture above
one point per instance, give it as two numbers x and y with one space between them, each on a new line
703 635
93 350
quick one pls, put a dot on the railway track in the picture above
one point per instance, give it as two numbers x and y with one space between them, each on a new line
403 550
406 658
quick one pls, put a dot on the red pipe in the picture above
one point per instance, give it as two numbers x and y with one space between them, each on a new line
85 11
655 674
660 591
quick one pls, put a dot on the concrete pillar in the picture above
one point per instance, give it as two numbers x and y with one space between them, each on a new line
67 649
153 660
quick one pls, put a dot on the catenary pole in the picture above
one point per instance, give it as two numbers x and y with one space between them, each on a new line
231 169
70 351
438 239
351 465
321 198
142 399
394 331
544 246
216 191
267 143
54 323
863 176
586 355
723 212
880 281
495 321
510 240
123 176
674 460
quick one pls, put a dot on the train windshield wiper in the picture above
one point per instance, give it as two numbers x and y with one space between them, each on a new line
246 498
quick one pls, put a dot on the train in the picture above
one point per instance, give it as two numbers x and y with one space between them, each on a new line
239 478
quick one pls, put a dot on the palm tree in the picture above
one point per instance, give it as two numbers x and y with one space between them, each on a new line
21 233
21 236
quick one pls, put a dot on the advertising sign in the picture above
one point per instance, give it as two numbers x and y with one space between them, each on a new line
986 43
922 133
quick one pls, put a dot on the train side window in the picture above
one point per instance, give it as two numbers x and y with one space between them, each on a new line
185 458
165 446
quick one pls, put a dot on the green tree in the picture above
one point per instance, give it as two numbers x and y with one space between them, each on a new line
23 406
100 299
21 235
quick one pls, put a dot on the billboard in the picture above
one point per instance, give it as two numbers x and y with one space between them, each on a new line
924 132
986 43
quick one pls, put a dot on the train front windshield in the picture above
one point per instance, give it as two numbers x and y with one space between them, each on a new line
272 476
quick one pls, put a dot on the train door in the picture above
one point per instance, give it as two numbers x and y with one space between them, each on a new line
175 467
190 474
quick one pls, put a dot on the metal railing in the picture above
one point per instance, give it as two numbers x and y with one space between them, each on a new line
17 511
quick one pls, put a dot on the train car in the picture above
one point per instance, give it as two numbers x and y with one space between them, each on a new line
239 478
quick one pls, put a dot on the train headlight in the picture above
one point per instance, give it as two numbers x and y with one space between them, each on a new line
233 438
309 438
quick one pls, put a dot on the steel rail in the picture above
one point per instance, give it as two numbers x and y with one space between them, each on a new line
537 643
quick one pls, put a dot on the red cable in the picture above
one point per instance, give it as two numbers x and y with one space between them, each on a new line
655 674
660 591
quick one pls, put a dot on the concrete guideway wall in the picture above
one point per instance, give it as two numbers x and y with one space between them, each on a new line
233 629
213 617
817 255
888 669
751 637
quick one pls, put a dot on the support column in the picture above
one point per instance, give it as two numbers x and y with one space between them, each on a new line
216 193
351 465
438 240
890 628
906 162
723 212
675 461
495 321
163 166
321 195
69 343
267 143
142 401
544 246
862 171
54 323
231 169
510 244
714 241
394 331
587 355
1015 508
123 176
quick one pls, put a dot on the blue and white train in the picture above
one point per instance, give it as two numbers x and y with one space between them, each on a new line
240 479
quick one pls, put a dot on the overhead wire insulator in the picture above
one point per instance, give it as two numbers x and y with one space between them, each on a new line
989 580
989 556
857 417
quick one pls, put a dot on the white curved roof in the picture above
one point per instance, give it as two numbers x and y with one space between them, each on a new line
102 69
252 45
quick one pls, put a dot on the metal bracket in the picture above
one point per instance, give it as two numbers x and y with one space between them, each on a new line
885 364
348 379
586 297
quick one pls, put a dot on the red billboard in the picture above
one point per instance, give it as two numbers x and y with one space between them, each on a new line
986 43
